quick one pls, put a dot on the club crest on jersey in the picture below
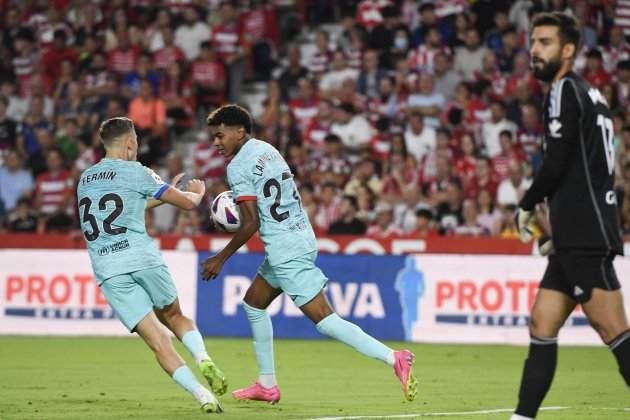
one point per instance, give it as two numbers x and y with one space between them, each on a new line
596 96
554 128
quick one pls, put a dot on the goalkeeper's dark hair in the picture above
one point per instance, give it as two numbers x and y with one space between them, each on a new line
568 27
113 128
231 115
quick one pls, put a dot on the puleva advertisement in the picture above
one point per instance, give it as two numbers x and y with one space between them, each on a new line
361 289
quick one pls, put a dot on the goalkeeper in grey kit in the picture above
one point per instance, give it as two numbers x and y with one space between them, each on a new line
577 179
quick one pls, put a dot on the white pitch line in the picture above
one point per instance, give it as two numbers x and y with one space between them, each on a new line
455 413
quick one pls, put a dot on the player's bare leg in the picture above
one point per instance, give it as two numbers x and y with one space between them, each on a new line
550 311
160 343
186 331
605 311
329 323
257 298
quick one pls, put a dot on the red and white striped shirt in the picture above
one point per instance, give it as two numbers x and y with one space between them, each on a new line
121 61
622 16
422 58
207 72
164 57
53 190
226 39
208 161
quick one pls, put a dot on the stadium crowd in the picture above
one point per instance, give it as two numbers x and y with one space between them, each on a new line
398 118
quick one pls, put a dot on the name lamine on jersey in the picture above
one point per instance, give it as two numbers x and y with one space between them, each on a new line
261 161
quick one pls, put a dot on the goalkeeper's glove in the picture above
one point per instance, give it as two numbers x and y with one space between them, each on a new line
522 219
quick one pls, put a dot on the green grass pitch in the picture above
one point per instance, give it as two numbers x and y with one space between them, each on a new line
117 378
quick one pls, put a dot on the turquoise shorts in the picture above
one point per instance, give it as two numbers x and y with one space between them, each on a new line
299 278
133 295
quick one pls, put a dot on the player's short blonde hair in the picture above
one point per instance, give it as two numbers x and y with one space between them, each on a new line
113 128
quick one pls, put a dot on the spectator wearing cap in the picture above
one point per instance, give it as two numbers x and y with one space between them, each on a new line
445 79
354 129
490 130
192 33
594 73
384 226
15 181
622 82
348 223
425 100
420 140
469 57
58 53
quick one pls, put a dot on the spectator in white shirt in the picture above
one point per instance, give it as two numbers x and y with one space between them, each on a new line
425 100
470 57
419 139
340 71
512 189
490 130
354 130
191 34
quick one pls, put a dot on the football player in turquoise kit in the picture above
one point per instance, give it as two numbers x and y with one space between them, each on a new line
113 196
268 201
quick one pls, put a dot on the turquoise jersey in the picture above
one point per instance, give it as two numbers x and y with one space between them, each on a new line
258 172
112 197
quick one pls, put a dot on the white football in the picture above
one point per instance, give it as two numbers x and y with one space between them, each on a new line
225 212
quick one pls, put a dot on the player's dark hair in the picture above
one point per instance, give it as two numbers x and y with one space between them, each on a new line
113 128
231 115
568 28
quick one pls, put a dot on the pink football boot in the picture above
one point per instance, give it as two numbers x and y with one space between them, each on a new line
403 363
257 392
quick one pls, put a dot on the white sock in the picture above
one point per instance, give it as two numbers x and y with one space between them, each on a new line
203 395
267 380
519 417
391 359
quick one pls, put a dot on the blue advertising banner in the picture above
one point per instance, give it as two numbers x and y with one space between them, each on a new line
365 289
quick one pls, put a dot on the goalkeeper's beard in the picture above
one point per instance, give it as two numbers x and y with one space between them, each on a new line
548 71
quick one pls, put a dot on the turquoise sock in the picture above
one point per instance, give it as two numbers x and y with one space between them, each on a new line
186 379
193 341
350 334
262 331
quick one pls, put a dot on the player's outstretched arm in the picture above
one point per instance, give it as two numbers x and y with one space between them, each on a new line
187 200
250 223
152 202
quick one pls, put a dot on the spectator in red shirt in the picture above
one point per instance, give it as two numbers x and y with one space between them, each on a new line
484 179
509 151
424 223
169 53
231 48
124 57
58 53
54 195
332 166
208 78
384 226
594 73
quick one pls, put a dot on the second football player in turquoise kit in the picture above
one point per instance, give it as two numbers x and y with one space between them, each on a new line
268 202
113 196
